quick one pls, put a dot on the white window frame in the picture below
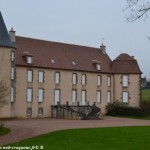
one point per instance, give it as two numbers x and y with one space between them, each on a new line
29 60
40 111
98 96
40 95
83 80
12 73
125 97
12 94
83 97
109 81
56 96
29 75
29 111
29 95
98 80
108 97
40 76
125 79
12 56
98 66
57 77
74 78
74 96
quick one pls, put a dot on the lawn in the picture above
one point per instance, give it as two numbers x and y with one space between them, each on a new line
146 95
4 131
113 138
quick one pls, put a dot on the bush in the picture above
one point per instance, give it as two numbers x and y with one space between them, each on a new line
145 106
119 109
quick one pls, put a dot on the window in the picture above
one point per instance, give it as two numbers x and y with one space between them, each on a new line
12 94
83 79
83 97
98 80
108 97
40 95
125 81
29 59
41 77
98 66
12 73
29 76
74 78
109 81
29 94
56 96
57 77
74 96
125 97
29 111
73 63
98 96
40 111
12 56
53 61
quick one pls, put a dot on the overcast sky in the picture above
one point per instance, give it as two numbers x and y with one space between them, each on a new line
81 22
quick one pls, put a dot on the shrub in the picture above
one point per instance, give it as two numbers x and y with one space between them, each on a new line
119 109
145 106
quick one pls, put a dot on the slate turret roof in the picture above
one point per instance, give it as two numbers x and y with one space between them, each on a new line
4 36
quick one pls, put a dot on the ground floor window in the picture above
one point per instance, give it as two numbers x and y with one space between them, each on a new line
125 97
74 97
29 111
56 96
40 111
83 97
98 96
108 97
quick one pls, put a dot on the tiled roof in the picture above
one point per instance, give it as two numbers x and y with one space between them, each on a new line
63 54
4 36
125 64
71 57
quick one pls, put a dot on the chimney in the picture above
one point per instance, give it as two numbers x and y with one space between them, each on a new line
12 35
103 48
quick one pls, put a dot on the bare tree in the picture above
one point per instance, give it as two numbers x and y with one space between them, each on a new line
4 94
137 9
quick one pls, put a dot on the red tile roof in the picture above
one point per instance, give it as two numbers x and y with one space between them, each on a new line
65 54
125 64
62 54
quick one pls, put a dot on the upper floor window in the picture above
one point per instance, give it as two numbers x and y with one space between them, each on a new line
74 78
57 77
109 80
29 59
12 73
125 80
125 97
29 76
40 95
83 81
98 80
12 56
41 77
29 94
12 94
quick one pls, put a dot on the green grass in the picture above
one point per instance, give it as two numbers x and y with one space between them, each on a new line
114 138
146 95
4 131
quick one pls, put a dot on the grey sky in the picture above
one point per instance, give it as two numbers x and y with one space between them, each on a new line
81 22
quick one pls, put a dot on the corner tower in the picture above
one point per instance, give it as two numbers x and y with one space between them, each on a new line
7 68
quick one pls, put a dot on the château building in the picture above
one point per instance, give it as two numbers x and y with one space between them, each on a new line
42 73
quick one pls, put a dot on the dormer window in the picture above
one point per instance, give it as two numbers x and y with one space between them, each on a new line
98 66
73 63
29 60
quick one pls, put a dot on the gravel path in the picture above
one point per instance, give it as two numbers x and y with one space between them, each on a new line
22 129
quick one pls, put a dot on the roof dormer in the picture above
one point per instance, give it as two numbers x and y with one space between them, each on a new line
28 57
97 64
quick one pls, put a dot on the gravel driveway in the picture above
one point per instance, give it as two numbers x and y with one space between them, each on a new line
22 129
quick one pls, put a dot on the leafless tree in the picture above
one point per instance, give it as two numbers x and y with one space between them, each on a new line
137 9
4 94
